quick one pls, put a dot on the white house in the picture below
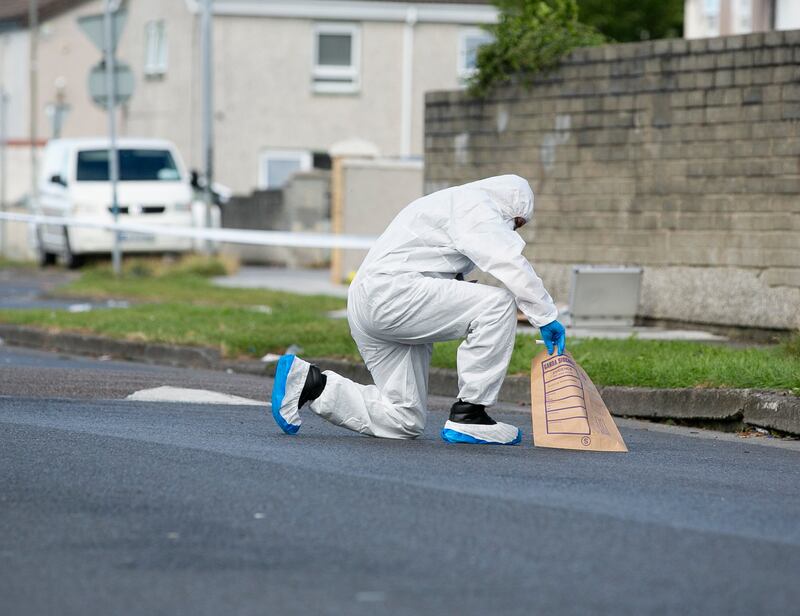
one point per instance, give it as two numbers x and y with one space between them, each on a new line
709 18
292 77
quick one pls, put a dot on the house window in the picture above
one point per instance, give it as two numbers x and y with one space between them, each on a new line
276 167
711 11
743 21
155 44
337 51
469 41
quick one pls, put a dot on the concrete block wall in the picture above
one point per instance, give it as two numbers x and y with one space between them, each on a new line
680 156
262 209
303 204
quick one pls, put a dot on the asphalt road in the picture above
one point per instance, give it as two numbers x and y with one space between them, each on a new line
109 506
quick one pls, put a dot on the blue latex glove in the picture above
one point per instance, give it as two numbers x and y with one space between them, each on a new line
554 335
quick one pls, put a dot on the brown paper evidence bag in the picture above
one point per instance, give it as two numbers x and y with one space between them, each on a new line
568 412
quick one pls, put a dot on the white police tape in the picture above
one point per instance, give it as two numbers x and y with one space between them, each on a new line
232 236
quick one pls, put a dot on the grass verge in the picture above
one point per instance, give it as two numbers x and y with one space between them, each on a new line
179 305
13 264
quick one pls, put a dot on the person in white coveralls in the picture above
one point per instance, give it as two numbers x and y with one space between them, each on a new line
409 293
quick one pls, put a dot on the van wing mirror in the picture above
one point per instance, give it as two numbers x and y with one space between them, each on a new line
57 179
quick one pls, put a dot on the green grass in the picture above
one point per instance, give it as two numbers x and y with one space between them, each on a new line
179 305
687 364
10 263
235 331
193 290
650 363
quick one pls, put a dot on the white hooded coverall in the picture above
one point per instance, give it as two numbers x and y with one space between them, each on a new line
405 297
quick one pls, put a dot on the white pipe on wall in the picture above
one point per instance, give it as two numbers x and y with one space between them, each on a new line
407 88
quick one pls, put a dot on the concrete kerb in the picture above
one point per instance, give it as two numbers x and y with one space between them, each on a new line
763 409
86 344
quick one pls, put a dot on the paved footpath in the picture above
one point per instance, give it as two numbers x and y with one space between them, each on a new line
110 506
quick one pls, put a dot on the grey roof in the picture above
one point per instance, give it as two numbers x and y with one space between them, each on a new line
15 12
485 2
472 2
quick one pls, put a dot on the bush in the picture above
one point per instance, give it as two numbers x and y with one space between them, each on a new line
139 268
191 265
206 267
531 36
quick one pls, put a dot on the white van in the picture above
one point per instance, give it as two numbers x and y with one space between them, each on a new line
154 188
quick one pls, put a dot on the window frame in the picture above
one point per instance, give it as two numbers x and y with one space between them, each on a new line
738 14
462 70
170 154
304 157
320 72
156 50
711 11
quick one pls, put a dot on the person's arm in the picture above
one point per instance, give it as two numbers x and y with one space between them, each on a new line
481 234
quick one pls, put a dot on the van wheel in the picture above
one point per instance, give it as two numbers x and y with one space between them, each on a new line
71 260
43 257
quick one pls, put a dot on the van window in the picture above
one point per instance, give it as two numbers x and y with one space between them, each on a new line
135 165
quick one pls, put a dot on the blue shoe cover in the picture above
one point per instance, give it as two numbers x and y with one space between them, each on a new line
290 376
476 434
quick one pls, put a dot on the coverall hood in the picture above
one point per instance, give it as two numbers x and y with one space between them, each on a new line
511 193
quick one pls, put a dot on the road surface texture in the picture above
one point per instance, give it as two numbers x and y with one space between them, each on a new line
110 506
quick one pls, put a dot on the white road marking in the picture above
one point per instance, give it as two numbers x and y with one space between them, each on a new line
193 396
